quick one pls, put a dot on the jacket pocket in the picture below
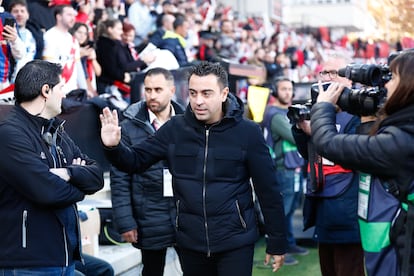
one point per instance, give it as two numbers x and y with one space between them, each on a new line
186 161
242 221
24 229
227 163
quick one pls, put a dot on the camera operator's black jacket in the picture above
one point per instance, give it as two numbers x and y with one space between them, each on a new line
387 154
36 206
386 162
211 167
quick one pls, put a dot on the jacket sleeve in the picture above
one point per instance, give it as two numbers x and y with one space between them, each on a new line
121 195
129 65
109 62
25 170
17 48
139 157
89 177
370 154
282 128
267 190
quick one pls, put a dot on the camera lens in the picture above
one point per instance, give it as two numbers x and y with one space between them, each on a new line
368 74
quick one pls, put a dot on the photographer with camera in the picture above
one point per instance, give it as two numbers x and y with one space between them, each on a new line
332 191
386 160
288 161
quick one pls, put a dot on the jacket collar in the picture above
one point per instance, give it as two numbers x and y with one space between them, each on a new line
39 123
233 113
403 119
138 111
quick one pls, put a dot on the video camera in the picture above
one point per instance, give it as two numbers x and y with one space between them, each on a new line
362 102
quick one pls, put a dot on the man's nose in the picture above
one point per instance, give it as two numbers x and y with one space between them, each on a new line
151 95
199 99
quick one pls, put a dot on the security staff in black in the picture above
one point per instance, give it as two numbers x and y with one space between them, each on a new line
42 176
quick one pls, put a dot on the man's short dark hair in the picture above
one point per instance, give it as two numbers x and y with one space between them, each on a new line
179 20
160 71
165 3
206 68
31 78
14 3
59 9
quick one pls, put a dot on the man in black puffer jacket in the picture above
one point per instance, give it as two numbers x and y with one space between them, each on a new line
212 153
143 211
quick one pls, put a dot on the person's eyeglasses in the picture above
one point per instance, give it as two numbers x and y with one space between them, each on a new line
331 73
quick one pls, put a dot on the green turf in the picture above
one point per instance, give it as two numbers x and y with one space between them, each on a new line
308 265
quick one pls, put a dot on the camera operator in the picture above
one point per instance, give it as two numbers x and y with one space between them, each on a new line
386 160
332 192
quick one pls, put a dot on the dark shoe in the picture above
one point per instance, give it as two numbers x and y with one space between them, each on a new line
290 260
297 250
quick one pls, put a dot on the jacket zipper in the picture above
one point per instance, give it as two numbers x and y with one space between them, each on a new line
178 212
204 193
61 156
24 229
240 215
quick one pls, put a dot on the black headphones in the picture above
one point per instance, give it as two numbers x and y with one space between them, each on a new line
276 85
47 136
50 137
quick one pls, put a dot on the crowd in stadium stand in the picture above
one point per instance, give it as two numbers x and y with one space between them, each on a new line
111 40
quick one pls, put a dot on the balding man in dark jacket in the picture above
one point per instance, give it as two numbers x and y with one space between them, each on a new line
143 211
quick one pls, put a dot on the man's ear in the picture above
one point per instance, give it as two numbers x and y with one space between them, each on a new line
225 92
45 90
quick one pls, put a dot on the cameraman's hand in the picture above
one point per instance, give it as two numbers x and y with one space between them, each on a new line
304 126
332 94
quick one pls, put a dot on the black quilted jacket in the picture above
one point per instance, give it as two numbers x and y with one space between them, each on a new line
137 198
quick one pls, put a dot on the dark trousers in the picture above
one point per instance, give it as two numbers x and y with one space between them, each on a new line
286 178
235 262
341 259
153 261
93 267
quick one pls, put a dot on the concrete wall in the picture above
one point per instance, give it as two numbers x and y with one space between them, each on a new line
350 16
